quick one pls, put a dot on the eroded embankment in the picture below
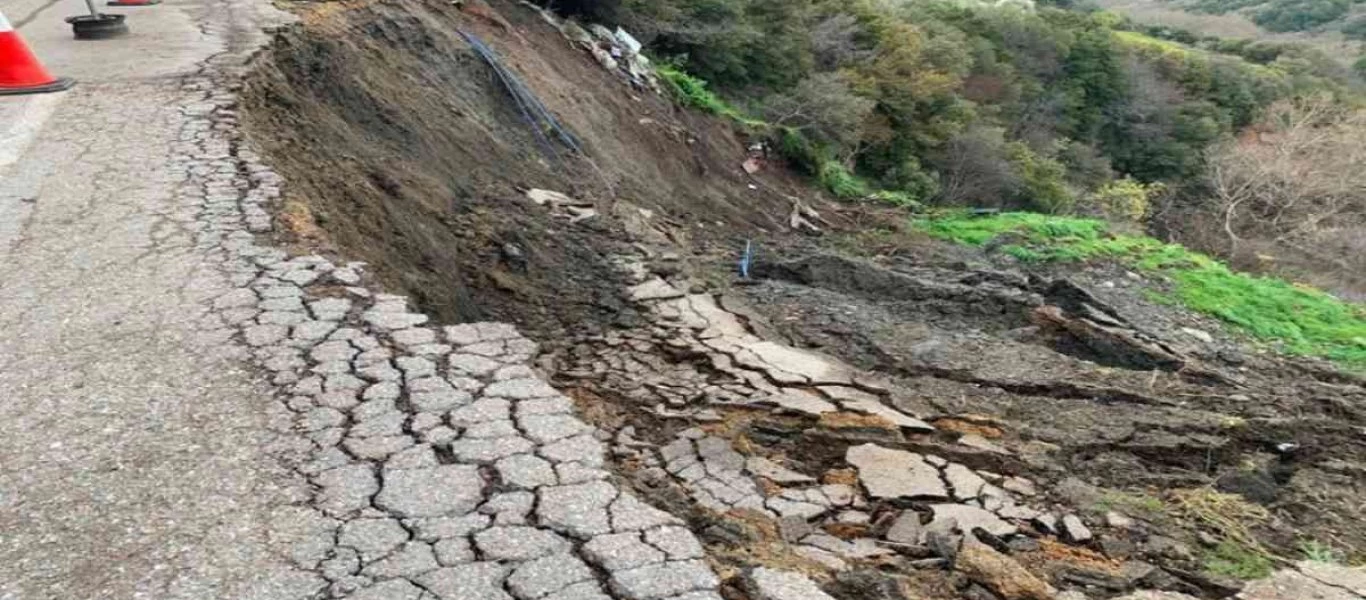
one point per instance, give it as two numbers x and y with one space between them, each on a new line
849 414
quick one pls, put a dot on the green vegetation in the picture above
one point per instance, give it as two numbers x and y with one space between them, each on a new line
1299 320
1319 552
1300 15
956 103
691 91
1057 110
1279 15
1232 559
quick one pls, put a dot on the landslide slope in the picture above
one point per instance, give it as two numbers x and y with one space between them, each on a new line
748 406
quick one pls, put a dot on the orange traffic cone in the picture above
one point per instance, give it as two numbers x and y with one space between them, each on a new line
20 71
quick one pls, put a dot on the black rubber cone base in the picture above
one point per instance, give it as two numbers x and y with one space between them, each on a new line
57 85
132 3
97 27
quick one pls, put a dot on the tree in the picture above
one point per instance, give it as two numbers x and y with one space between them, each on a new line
835 42
1095 82
824 107
974 169
1301 175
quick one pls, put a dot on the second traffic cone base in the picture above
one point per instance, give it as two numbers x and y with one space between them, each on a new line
56 85
97 27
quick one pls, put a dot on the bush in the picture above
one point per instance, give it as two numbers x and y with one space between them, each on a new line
691 91
842 183
799 151
1042 180
1124 199
1299 15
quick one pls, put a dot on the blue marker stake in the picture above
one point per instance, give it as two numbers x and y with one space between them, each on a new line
745 260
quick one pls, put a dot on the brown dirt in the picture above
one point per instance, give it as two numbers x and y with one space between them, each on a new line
400 150
426 158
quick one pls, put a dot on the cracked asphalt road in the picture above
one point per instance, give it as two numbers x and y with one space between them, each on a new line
190 413
131 464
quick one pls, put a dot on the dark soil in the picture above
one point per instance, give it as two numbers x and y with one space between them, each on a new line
406 151
401 149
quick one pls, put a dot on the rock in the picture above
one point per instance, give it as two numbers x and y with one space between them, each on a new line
973 440
944 545
1198 334
1074 530
1046 524
771 584
783 361
890 473
822 557
966 484
1118 520
870 584
1288 584
801 401
907 529
875 407
775 472
654 289
856 549
1117 548
1020 485
794 528
1349 578
1001 574
1159 546
1023 543
967 518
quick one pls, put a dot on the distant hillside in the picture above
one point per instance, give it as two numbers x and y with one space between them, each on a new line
1341 36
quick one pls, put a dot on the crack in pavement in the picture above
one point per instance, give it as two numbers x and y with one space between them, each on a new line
137 292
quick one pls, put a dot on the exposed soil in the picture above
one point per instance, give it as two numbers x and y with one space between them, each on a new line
401 149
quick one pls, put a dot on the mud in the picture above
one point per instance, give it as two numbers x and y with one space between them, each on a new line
401 149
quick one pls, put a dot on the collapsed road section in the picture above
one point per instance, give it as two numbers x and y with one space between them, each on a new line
857 415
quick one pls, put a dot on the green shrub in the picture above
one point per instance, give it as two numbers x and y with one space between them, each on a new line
1042 180
840 182
799 151
1319 552
692 91
1235 560
1124 199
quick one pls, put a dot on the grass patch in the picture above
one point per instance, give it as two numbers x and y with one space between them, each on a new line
1299 320
1231 518
1319 552
692 91
1232 559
